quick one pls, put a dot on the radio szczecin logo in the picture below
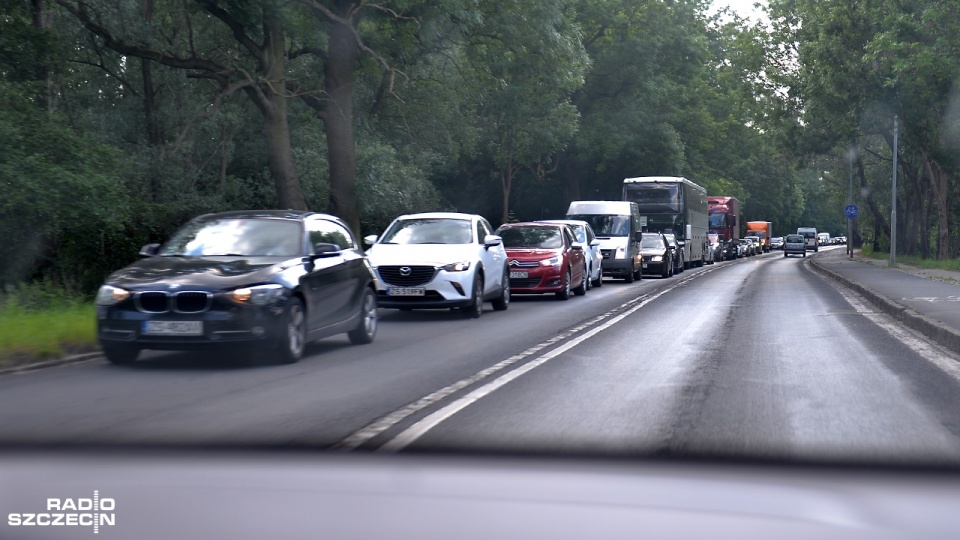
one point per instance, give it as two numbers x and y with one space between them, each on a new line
81 512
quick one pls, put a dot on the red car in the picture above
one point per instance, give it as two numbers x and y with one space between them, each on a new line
543 259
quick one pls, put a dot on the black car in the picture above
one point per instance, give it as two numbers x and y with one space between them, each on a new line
253 280
677 250
658 257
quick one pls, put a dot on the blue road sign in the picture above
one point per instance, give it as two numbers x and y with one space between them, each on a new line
851 211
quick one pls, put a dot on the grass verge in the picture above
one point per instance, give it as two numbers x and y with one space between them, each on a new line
30 335
932 264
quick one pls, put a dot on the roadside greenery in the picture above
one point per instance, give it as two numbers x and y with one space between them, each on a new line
122 119
37 322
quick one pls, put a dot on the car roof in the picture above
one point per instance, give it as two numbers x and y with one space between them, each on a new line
566 222
297 215
439 215
533 224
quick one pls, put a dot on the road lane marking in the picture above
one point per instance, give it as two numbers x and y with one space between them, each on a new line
931 352
414 432
368 432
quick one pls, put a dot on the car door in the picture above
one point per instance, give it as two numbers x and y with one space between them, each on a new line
332 284
494 259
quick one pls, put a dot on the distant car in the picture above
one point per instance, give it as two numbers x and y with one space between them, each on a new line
544 258
440 260
251 280
658 257
748 248
715 246
757 244
708 252
731 249
810 237
776 242
584 236
678 262
794 244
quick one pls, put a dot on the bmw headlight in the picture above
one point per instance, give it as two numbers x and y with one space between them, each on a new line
260 295
109 295
461 266
553 261
657 258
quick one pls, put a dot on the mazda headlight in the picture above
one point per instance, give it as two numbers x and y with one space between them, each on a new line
261 295
461 266
109 295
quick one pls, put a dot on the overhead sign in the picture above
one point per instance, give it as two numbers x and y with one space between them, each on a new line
851 211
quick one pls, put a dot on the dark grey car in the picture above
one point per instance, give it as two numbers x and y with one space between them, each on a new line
252 280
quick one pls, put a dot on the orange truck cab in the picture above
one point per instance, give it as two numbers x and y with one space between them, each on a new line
763 230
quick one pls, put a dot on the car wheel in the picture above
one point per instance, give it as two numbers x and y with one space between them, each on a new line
665 271
582 288
367 325
785 255
564 293
294 335
475 309
804 254
587 277
682 266
628 276
599 281
121 355
503 301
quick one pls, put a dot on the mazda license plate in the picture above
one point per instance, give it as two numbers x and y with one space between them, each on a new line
406 291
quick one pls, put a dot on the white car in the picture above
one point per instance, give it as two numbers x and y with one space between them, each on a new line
440 260
584 236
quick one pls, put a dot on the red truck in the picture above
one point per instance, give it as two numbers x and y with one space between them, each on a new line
724 213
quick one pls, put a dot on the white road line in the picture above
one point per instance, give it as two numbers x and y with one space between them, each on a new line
932 353
384 423
417 430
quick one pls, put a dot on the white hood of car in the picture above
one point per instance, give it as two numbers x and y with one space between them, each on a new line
613 242
421 254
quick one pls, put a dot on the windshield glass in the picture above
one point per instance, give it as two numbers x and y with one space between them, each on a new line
654 198
651 242
531 237
240 237
718 221
606 225
429 231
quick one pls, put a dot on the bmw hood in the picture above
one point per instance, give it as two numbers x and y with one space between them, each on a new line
421 254
208 273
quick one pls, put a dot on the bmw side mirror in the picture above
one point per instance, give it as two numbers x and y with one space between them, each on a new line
149 250
323 249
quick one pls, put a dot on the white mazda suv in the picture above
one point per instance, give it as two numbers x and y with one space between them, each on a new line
440 260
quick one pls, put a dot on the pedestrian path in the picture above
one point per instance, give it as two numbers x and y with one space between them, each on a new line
926 300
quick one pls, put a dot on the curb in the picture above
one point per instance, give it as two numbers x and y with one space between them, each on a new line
73 359
946 337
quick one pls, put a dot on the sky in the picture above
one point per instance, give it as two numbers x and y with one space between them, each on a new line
743 7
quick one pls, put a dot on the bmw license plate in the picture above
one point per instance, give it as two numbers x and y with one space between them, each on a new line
518 275
406 291
173 328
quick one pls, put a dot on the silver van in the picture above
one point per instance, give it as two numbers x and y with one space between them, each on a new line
809 235
617 226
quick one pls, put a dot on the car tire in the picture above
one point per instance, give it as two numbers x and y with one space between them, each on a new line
293 338
804 254
628 276
502 302
786 255
475 309
599 281
587 279
564 293
665 271
367 325
121 355
582 288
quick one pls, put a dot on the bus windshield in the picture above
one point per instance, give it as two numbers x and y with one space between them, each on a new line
654 198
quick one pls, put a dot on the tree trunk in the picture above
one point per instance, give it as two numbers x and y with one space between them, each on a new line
341 62
506 184
938 181
276 128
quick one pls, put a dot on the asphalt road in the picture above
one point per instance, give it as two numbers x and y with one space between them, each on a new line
757 357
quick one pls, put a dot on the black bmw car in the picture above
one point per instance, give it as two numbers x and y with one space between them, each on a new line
253 280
